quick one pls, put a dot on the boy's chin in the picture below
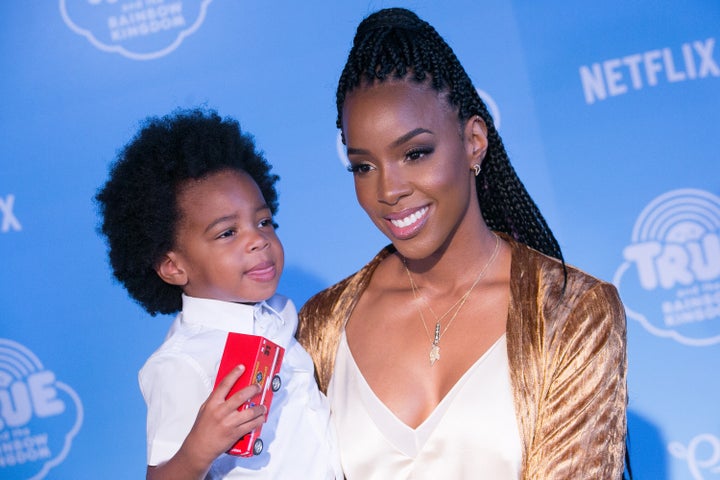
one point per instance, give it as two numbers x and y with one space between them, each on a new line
253 299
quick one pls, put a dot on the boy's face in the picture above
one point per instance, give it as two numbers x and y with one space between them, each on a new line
225 247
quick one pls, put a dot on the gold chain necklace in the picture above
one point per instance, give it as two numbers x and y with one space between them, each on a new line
435 349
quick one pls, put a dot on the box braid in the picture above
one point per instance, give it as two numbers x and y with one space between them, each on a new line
395 43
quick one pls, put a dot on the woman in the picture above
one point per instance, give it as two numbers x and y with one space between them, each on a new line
467 347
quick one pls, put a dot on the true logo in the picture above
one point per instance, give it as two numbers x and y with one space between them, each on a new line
9 220
136 29
702 455
39 415
670 279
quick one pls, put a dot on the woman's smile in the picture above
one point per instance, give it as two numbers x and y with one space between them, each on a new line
406 223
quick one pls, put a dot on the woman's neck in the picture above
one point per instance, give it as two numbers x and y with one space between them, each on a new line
456 264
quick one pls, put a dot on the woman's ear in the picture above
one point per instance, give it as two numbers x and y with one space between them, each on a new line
170 270
476 140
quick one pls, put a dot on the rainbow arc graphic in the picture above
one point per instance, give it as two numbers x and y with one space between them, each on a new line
678 216
16 362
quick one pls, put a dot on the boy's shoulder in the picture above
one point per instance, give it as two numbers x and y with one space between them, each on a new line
199 346
186 346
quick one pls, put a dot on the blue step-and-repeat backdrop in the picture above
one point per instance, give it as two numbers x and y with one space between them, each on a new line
610 111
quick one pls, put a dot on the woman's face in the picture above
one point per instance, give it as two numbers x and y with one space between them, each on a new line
412 163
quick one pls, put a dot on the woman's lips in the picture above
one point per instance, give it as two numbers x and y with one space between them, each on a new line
262 272
405 224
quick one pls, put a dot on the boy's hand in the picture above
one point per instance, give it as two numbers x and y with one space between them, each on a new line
217 427
219 424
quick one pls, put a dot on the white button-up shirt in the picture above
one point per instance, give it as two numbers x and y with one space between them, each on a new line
299 441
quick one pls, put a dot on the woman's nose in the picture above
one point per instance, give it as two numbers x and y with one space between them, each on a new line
392 186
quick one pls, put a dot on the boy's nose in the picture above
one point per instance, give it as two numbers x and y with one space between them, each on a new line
258 242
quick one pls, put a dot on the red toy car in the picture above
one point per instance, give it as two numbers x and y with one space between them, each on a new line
262 359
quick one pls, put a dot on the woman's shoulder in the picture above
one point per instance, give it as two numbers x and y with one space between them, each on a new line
321 319
349 286
530 264
559 288
568 304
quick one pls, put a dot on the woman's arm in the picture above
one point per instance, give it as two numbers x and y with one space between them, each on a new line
580 427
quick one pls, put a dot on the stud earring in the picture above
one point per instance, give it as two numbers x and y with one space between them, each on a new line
476 169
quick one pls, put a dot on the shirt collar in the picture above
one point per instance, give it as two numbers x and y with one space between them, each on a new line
227 316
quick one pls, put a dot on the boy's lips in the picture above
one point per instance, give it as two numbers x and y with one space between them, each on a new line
406 223
263 271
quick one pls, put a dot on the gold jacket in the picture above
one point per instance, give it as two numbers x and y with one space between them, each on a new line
567 358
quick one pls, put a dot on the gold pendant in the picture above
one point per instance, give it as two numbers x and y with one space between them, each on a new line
434 354
435 350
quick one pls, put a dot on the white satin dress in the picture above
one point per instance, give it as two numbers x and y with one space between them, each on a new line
472 433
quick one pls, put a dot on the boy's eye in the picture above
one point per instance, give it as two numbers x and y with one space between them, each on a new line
227 233
266 222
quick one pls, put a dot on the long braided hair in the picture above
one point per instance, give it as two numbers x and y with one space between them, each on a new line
395 43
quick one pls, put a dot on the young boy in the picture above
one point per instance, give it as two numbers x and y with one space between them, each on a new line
188 216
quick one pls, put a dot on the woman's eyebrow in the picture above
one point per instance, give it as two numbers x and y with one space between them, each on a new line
396 143
412 133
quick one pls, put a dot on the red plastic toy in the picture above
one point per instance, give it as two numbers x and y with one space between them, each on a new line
262 359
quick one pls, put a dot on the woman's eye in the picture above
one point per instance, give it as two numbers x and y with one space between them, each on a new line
359 168
418 153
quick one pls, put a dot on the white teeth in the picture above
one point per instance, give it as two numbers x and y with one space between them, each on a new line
410 219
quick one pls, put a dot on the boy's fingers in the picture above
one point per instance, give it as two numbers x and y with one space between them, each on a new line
250 418
243 395
226 383
234 402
